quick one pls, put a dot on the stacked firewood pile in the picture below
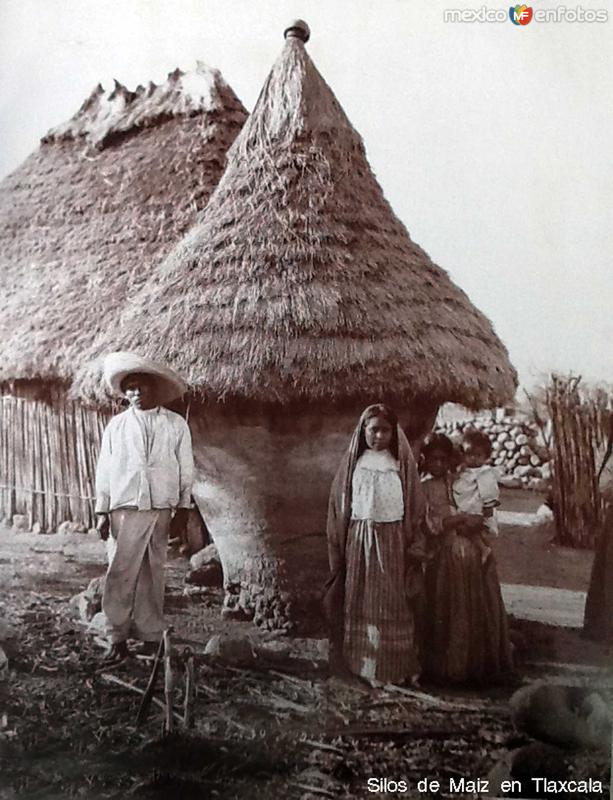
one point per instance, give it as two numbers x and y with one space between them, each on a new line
518 452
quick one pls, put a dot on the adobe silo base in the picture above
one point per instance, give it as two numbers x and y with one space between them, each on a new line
262 486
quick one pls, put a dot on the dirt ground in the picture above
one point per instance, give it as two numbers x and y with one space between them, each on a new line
274 725
528 555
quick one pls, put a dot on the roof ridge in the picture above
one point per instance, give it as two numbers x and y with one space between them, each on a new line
106 115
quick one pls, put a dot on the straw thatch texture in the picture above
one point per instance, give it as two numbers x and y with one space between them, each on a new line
86 215
299 283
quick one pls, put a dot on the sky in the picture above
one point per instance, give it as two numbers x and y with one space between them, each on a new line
492 141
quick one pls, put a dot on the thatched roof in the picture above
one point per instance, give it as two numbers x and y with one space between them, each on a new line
85 216
298 283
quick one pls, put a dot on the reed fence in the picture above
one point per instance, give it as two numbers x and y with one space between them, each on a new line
48 454
580 424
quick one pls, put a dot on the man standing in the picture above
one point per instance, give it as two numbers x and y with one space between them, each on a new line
144 474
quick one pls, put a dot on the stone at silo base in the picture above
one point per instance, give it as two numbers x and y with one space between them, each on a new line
208 555
232 648
258 596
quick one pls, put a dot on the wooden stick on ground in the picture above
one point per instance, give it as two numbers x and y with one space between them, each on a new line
313 789
389 733
414 694
436 702
131 687
188 705
168 683
148 694
323 746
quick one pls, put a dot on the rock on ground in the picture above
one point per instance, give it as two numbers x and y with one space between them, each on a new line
208 555
69 527
565 716
98 624
6 631
20 522
227 647
88 603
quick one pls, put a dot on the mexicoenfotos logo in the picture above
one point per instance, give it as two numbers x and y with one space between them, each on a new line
520 15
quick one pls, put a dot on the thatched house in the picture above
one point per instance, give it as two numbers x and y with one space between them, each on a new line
83 220
297 299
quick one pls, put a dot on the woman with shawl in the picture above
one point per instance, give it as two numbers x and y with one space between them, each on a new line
375 546
466 624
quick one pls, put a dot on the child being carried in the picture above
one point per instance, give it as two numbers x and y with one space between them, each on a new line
475 489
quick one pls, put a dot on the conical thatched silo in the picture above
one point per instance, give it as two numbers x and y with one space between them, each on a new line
83 220
297 299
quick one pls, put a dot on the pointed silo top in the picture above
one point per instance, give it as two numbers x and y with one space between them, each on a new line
298 283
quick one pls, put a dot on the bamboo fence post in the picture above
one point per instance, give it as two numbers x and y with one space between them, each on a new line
31 427
43 501
65 509
578 421
11 457
54 472
5 476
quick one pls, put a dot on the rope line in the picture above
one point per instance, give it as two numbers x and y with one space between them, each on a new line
45 491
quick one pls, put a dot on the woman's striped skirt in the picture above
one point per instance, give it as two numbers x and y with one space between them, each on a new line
379 639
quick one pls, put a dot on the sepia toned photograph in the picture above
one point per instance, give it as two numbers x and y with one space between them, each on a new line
306 400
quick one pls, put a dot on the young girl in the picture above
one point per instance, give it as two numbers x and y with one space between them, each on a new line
466 625
375 545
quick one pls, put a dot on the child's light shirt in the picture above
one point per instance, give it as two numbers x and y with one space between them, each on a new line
376 488
475 489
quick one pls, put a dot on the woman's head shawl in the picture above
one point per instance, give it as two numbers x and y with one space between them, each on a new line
339 508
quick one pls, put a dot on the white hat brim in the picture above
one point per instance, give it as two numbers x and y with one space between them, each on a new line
169 385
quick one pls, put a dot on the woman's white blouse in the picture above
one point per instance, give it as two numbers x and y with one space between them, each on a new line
376 489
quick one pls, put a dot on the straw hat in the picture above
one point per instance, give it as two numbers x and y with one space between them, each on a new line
169 385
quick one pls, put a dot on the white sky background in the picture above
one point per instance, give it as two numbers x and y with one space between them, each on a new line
492 142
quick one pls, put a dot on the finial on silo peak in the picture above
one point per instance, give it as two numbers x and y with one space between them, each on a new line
298 29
